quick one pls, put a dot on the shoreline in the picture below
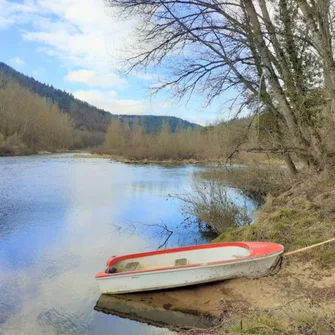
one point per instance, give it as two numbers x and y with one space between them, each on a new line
274 301
190 161
147 161
45 152
42 152
144 161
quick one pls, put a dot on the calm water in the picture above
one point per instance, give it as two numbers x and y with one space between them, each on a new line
60 218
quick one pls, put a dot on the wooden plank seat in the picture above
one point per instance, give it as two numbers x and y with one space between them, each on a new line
180 262
132 266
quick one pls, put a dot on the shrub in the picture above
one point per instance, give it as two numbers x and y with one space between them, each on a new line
210 203
298 218
255 181
12 146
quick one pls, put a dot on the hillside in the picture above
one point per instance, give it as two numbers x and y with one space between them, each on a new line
83 115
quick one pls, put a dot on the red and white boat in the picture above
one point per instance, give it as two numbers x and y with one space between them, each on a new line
184 266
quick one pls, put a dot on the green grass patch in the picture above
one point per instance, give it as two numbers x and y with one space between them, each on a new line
313 323
294 228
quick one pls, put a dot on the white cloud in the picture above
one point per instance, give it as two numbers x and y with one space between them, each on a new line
17 61
92 78
88 39
108 102
82 34
12 13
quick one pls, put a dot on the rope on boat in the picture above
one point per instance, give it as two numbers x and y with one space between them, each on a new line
278 265
309 247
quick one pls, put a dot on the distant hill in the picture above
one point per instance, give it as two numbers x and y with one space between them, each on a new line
85 116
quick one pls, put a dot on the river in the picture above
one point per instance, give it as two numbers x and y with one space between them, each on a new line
61 217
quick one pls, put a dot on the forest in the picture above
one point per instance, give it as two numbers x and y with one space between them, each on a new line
30 123
22 124
215 143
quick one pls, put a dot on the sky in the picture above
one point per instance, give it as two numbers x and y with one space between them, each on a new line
76 46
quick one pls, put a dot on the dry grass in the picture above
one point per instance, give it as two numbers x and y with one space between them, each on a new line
106 156
255 181
299 217
99 153
310 322
210 203
12 146
299 299
257 158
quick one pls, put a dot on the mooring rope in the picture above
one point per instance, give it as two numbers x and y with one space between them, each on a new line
309 247
278 265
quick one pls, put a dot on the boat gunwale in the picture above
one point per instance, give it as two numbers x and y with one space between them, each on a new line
255 253
103 275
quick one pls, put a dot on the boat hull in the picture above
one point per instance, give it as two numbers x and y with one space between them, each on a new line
177 277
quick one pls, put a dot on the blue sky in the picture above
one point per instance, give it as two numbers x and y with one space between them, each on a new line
76 45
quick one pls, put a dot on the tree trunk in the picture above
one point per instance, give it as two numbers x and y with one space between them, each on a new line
290 164
316 16
284 106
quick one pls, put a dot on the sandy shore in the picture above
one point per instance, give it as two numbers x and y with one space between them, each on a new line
283 296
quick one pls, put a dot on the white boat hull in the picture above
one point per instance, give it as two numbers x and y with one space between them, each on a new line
176 277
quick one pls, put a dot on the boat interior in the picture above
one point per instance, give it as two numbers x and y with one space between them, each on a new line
181 258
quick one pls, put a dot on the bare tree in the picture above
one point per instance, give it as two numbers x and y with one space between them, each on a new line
274 51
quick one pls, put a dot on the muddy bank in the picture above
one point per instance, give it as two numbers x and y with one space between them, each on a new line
145 160
298 291
128 160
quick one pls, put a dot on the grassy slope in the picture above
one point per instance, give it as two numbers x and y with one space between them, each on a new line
300 298
302 216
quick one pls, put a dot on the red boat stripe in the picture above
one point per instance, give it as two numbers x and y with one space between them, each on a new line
257 249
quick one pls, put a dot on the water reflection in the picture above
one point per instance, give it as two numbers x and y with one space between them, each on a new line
56 231
57 227
151 309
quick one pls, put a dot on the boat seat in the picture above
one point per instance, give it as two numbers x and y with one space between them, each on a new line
132 266
180 261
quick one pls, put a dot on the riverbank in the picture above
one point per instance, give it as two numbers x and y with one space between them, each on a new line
301 216
299 297
296 300
247 159
34 152
244 158
144 161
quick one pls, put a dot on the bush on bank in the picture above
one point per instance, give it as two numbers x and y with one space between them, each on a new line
302 216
